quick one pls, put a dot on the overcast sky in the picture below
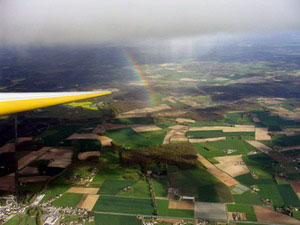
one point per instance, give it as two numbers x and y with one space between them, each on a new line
82 22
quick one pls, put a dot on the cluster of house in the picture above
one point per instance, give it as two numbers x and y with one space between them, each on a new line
229 151
9 208
84 180
236 216
53 215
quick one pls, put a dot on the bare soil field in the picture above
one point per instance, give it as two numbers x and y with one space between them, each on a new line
105 141
184 120
22 139
219 174
87 202
200 140
145 128
262 134
7 183
170 99
296 147
190 102
236 128
271 101
181 205
296 187
99 130
186 79
60 157
279 157
143 111
177 133
285 113
32 156
267 215
81 190
232 165
260 146
29 170
85 155
255 118
9 147
33 179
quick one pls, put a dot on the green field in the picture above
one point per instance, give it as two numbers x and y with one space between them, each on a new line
247 198
288 195
270 191
163 210
201 184
113 187
220 133
128 137
124 205
104 219
56 134
68 199
132 121
216 149
247 209
23 220
160 187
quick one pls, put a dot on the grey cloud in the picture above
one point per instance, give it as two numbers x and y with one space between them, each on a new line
51 22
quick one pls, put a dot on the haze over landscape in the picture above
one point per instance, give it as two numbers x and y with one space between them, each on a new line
202 126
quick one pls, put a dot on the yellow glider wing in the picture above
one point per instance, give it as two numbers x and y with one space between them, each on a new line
20 102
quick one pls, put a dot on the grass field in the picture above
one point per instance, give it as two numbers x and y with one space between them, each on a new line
288 195
247 209
201 184
23 220
113 187
132 121
270 191
104 219
257 164
219 133
55 189
56 134
140 190
237 118
160 187
248 180
68 199
128 137
215 149
247 198
163 210
124 205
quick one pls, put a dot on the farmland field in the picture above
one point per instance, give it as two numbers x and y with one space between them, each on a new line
124 205
68 199
163 210
128 137
207 189
104 219
247 209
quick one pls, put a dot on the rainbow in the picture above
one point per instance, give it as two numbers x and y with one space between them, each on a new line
138 71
